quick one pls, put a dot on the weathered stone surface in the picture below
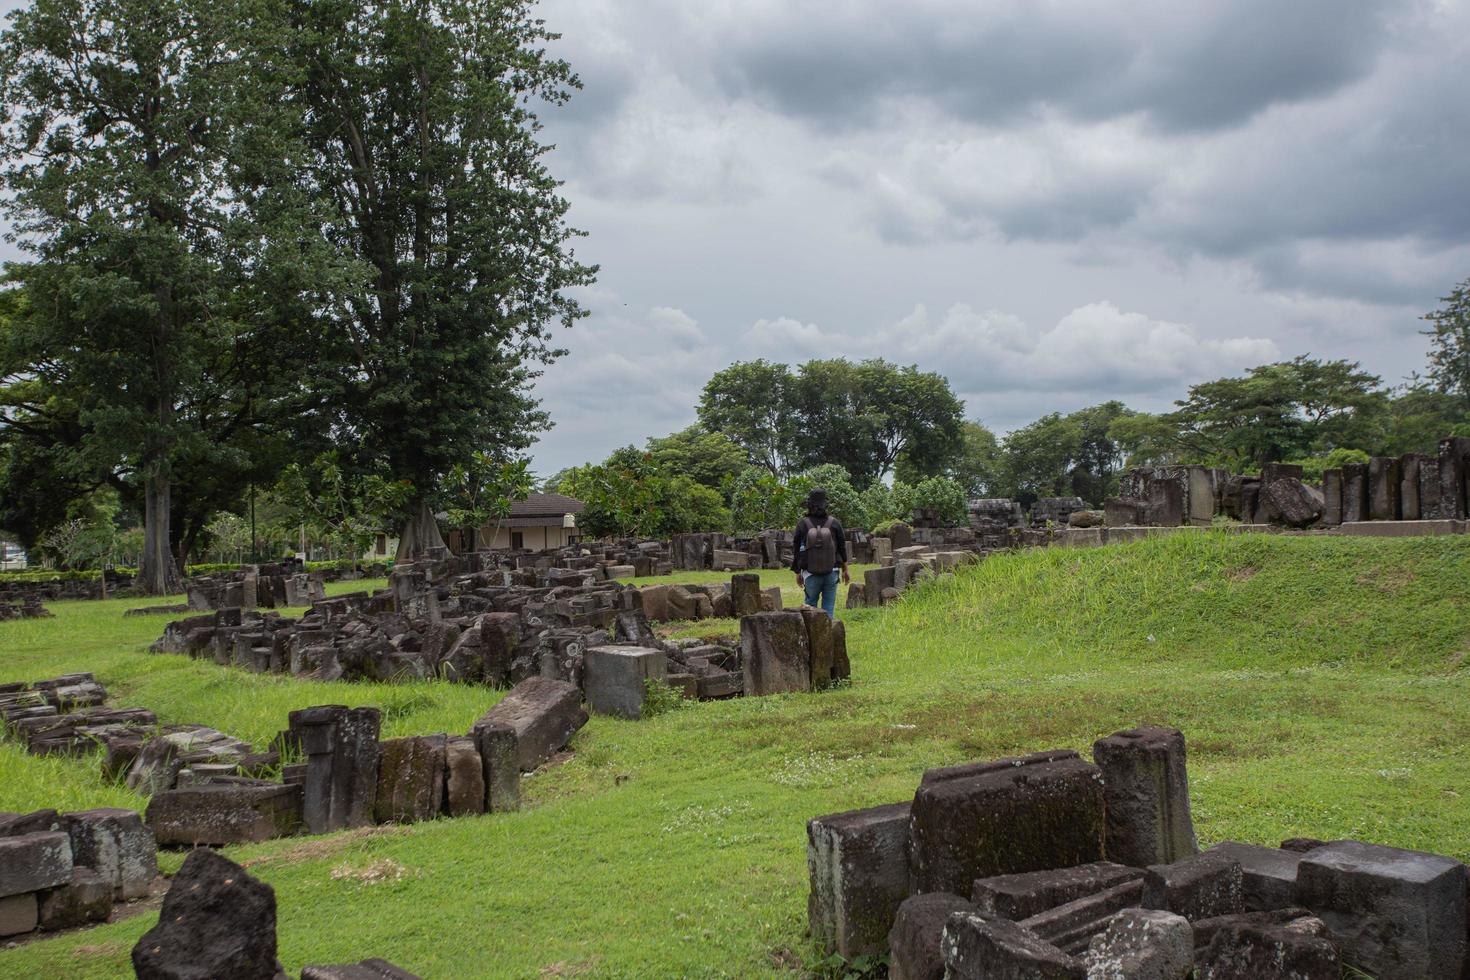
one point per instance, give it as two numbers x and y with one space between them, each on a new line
1332 497
1293 503
341 748
1197 887
373 969
410 779
1146 784
30 862
617 678
819 640
86 898
35 822
1142 944
1070 927
858 867
1410 503
217 921
1355 492
1268 874
1005 817
1453 467
1020 896
1402 529
775 653
656 602
543 713
918 927
224 813
464 777
841 665
1395 914
1430 503
18 914
117 845
745 594
976 948
498 753
1383 489
1241 949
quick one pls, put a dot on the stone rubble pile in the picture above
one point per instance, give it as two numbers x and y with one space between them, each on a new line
1049 866
62 870
27 606
219 921
256 587
900 568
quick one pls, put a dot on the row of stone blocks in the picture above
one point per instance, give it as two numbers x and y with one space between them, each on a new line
218 921
1050 866
352 779
1412 487
61 870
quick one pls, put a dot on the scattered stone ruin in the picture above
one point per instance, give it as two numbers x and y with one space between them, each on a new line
1049 866
219 921
901 568
256 587
62 870
27 607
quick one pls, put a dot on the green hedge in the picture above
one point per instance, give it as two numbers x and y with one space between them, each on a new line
217 568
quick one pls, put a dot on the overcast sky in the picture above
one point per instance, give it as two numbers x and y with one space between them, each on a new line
1051 203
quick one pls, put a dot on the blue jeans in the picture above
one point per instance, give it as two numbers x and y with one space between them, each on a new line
823 588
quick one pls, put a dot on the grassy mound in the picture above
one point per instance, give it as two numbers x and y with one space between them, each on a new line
1319 681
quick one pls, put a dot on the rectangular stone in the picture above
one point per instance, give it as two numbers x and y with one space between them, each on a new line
464 778
819 638
1409 497
616 678
1354 492
497 745
1197 887
1332 497
857 863
1452 477
1268 874
1395 914
410 779
18 914
1005 817
975 948
217 814
775 653
1069 927
725 684
918 930
1401 529
30 862
1383 489
117 845
1020 896
543 713
1430 505
1147 790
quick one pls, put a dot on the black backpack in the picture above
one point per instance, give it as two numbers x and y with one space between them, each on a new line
821 548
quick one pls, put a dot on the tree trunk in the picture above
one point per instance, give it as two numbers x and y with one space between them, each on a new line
420 534
158 575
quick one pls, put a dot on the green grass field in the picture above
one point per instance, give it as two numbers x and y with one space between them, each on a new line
1320 682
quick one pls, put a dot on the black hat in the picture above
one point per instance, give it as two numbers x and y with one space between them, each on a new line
816 501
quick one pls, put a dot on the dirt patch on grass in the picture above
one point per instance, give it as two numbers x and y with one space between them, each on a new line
1390 580
562 968
1243 574
328 845
380 872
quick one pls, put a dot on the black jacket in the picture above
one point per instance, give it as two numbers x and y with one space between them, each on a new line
798 556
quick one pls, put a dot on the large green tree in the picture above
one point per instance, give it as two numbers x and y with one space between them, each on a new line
750 402
422 125
148 176
712 459
1449 342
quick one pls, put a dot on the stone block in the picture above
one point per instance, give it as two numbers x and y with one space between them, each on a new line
1005 817
1293 503
745 594
1268 874
497 744
875 580
86 898
775 653
410 779
18 914
1147 789
771 600
857 863
1452 478
976 948
217 921
617 678
1241 949
464 777
35 822
1402 529
543 713
656 602
117 845
1124 512
1070 927
819 642
1197 887
1142 944
224 813
1383 489
1354 492
30 862
1410 500
724 684
841 665
1332 497
341 748
1430 504
1021 896
918 927
1395 914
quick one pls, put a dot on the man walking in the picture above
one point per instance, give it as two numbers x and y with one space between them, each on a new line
819 553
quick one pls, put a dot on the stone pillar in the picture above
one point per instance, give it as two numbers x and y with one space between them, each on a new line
1354 492
745 594
1409 505
1383 489
1430 506
1147 791
858 866
497 745
341 749
1452 453
1332 497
